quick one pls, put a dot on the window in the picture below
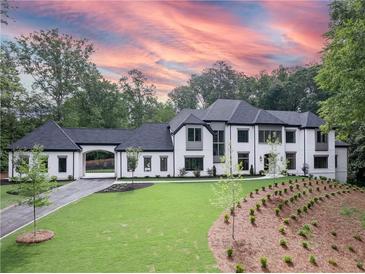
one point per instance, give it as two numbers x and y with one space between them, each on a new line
242 136
320 161
290 136
194 134
291 160
147 164
266 135
321 138
22 160
218 145
62 163
336 161
130 163
243 161
194 164
163 163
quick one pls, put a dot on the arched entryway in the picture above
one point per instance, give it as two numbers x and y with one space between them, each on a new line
99 164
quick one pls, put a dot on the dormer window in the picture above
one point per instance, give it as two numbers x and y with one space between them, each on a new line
194 134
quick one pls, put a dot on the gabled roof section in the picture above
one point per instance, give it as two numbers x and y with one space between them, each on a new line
50 136
264 117
149 137
99 136
221 110
301 119
244 113
312 120
187 116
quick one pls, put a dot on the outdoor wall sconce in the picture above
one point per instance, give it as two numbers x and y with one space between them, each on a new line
260 158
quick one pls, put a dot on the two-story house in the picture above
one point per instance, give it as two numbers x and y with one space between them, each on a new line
195 139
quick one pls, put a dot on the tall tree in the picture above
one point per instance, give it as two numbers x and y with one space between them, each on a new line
217 82
343 69
163 112
98 104
140 97
57 62
183 97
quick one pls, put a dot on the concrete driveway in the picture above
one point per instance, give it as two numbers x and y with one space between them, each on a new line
16 217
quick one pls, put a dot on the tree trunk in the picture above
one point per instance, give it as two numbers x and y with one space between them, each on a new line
233 217
34 219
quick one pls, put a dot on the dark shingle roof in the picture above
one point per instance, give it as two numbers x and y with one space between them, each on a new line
187 116
221 110
302 119
50 136
149 137
99 136
341 144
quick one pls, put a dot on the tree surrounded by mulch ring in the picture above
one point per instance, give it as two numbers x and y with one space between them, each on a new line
33 185
262 238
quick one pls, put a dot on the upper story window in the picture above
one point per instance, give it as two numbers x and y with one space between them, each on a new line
290 136
147 163
242 135
320 161
218 145
321 137
194 134
266 135
62 164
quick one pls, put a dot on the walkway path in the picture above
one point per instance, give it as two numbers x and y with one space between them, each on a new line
16 217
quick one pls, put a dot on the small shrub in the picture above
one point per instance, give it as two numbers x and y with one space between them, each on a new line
238 205
358 237
334 247
275 192
226 219
240 269
251 194
280 206
288 259
283 183
230 252
270 186
182 172
305 184
282 230
263 188
283 242
305 244
309 205
286 221
263 201
196 173
310 190
360 265
334 233
293 217
304 192
351 249
53 179
291 199
252 211
325 188
333 193
232 211
285 190
332 262
258 206
257 191
280 193
291 188
312 259
277 211
286 202
318 189
327 195
307 227
299 195
276 184
305 209
252 219
314 223
268 196
299 211
315 199
302 233
263 261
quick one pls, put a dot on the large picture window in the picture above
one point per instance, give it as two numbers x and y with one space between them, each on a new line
243 161
290 136
62 164
218 145
147 163
266 135
194 163
320 161
194 134
163 163
291 160
242 135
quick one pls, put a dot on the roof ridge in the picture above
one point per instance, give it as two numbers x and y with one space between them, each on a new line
235 109
257 115
64 133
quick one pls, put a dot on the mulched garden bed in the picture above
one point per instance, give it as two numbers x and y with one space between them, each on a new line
261 239
38 237
125 187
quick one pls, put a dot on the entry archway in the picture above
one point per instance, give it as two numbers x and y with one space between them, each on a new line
99 163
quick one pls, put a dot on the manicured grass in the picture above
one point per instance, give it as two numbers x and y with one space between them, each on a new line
8 199
350 211
167 179
102 170
162 228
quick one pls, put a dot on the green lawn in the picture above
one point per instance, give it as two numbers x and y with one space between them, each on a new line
162 228
10 199
173 179
101 170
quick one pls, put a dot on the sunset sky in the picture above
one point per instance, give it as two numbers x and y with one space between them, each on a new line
170 40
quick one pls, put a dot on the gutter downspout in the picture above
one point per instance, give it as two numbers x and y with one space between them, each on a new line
173 155
304 153
73 165
120 165
254 148
230 147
